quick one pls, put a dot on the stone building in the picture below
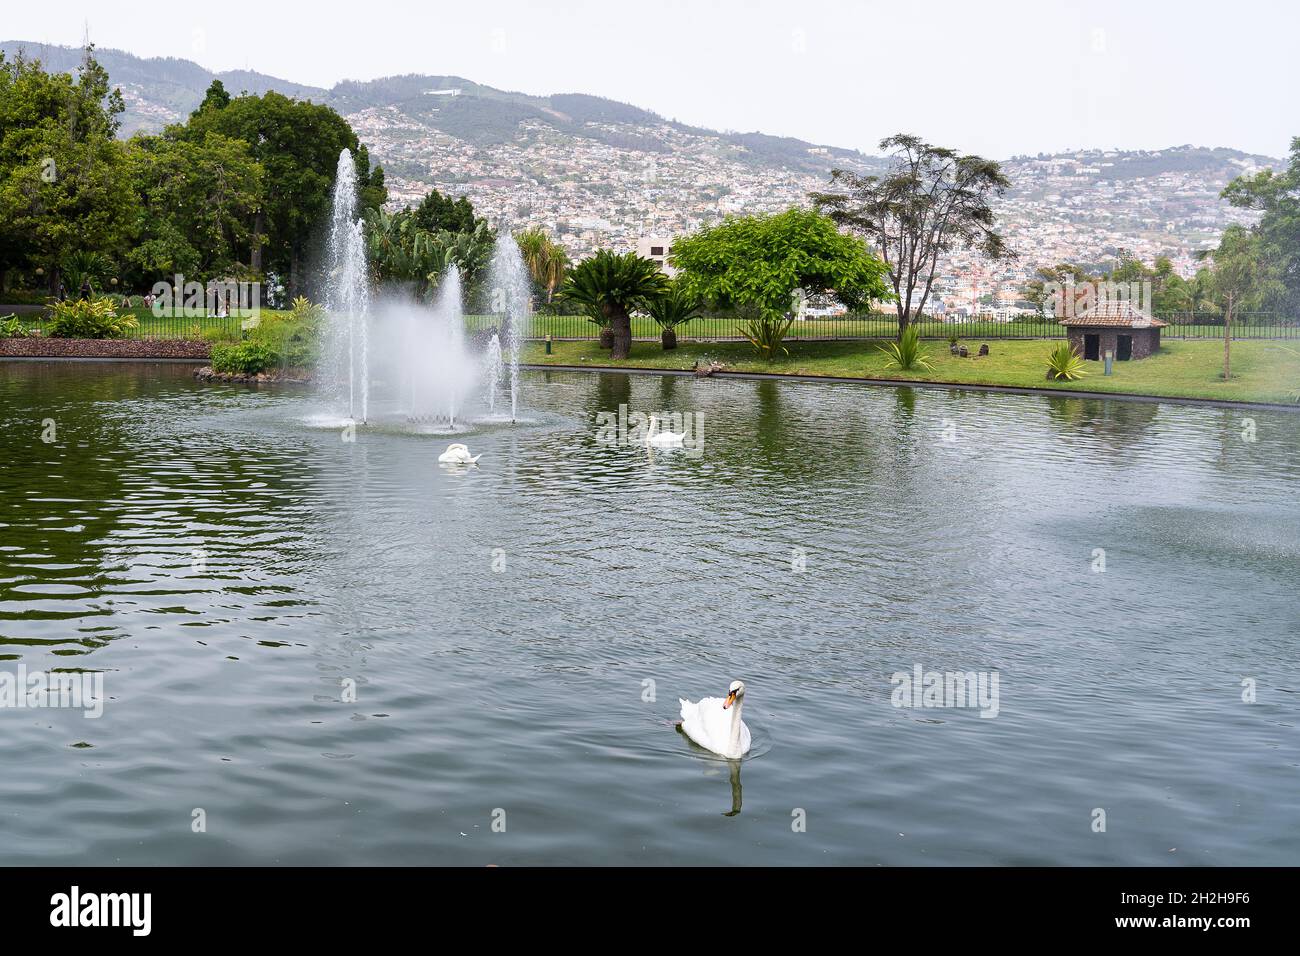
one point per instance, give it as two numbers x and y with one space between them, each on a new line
1118 327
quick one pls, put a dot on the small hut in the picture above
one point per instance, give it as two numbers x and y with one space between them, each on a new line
1118 327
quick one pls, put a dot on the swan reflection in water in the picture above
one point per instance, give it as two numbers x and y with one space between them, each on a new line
733 772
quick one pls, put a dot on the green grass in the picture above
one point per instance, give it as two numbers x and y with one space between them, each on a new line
1261 371
878 326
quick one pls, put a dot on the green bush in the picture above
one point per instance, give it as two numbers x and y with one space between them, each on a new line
12 327
247 358
89 319
764 328
907 354
1064 364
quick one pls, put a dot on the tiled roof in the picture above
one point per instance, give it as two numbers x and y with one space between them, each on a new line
1122 315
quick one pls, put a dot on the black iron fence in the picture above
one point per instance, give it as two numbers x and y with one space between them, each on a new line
722 328
193 327
882 325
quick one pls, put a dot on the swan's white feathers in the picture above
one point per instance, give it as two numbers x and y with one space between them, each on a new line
709 725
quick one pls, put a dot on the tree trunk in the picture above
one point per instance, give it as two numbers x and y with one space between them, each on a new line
1227 340
293 272
669 339
904 320
621 323
255 256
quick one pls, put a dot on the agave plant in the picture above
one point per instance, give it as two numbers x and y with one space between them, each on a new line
764 328
1064 364
906 354
675 307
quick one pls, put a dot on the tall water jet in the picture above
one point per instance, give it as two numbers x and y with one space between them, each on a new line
492 371
511 292
347 299
433 358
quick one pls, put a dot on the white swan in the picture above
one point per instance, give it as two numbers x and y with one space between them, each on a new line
653 436
715 724
458 454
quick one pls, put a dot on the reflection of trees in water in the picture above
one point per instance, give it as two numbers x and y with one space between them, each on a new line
54 500
125 486
668 394
612 390
1110 424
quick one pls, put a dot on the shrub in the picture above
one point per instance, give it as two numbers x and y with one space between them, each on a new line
247 358
1064 364
764 329
675 307
907 354
11 327
295 337
89 319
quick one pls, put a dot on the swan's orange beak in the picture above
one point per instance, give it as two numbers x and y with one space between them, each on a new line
731 699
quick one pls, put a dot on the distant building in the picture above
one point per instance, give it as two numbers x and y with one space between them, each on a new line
1116 327
657 248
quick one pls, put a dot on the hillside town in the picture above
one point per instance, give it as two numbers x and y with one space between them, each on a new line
1075 207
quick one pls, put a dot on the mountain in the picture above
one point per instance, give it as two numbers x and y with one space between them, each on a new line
164 90
596 172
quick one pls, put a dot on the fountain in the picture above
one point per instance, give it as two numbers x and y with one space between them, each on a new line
511 291
347 300
492 371
396 362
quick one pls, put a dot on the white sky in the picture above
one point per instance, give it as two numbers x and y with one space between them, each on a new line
998 77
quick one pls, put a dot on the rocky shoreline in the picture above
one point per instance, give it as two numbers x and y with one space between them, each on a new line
38 346
292 376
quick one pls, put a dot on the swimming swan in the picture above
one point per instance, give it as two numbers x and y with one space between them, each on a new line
715 723
654 436
458 454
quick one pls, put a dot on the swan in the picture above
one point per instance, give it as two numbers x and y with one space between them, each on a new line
458 454
654 436
715 724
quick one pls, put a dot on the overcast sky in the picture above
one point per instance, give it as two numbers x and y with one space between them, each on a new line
996 78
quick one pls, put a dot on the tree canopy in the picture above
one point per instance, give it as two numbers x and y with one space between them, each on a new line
933 200
760 261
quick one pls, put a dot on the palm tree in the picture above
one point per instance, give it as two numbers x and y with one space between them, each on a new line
675 307
545 259
616 285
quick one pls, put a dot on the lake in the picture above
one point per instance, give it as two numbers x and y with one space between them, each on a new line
320 651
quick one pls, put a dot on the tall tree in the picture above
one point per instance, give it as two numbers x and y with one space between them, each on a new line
1236 271
932 200
195 205
545 260
63 182
439 213
1277 196
297 143
764 261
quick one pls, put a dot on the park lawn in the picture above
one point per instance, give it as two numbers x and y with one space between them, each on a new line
1261 371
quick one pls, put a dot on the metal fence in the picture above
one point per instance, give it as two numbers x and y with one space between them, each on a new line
881 325
725 328
149 326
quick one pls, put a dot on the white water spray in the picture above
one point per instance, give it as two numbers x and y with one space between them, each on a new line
511 292
347 300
